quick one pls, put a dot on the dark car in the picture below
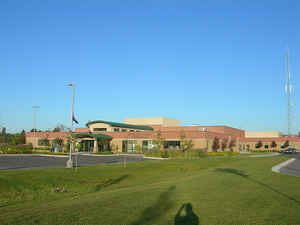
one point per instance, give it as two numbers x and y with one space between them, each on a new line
289 151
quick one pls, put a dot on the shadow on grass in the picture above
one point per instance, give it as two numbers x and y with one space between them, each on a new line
160 207
189 217
109 182
242 174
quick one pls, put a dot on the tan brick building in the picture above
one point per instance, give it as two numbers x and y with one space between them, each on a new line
140 133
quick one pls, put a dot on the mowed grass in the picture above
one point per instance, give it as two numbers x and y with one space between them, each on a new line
225 190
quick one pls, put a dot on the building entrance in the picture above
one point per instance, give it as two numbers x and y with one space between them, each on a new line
87 146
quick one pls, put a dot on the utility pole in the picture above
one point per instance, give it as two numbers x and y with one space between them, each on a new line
35 107
289 91
70 161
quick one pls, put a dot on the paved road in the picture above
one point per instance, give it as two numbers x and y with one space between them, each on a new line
15 162
294 167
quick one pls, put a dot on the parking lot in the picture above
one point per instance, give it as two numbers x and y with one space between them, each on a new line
15 162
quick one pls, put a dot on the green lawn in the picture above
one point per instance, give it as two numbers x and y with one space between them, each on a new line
225 190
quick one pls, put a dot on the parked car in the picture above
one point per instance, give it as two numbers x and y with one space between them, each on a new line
289 151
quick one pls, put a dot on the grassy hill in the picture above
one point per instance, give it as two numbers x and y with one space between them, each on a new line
223 190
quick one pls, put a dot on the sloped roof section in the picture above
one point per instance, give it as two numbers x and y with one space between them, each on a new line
122 125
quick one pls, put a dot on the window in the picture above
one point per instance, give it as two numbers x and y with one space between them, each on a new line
266 146
124 130
116 129
131 145
99 129
43 142
145 146
131 131
172 144
248 148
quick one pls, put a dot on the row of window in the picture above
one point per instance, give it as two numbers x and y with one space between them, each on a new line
46 142
115 130
130 145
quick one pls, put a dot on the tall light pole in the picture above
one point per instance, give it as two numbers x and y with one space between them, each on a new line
289 91
70 161
35 107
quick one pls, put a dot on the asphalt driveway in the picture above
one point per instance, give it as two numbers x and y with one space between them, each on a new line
15 162
292 168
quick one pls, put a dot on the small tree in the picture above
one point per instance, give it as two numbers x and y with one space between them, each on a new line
247 147
259 144
224 144
58 142
182 138
159 141
22 137
138 149
273 144
105 143
216 144
285 144
232 144
60 128
185 144
35 130
56 129
3 131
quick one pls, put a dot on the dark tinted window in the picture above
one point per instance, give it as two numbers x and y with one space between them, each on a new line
99 129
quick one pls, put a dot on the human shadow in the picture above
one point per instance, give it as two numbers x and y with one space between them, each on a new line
109 182
243 175
159 208
189 217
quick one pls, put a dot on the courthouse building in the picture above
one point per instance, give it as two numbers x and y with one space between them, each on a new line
140 133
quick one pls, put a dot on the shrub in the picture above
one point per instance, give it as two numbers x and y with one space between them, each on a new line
16 149
104 153
164 154
258 144
223 153
216 144
138 149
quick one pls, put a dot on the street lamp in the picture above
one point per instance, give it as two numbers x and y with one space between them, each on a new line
70 161
35 107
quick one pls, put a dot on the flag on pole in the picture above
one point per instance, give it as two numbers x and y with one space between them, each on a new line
73 118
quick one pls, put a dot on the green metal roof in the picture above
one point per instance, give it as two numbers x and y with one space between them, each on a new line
97 136
122 125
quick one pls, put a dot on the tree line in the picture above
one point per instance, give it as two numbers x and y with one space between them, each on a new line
12 139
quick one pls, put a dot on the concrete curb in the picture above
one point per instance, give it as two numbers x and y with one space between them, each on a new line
98 155
156 158
277 168
63 156
265 155
16 154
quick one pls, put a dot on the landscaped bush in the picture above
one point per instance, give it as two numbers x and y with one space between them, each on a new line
49 153
16 149
192 154
164 154
43 149
223 153
104 153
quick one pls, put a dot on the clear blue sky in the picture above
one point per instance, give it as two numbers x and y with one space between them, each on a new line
202 62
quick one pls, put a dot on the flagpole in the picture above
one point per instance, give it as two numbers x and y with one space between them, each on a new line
70 162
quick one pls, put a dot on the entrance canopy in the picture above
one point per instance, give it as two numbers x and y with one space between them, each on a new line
96 136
